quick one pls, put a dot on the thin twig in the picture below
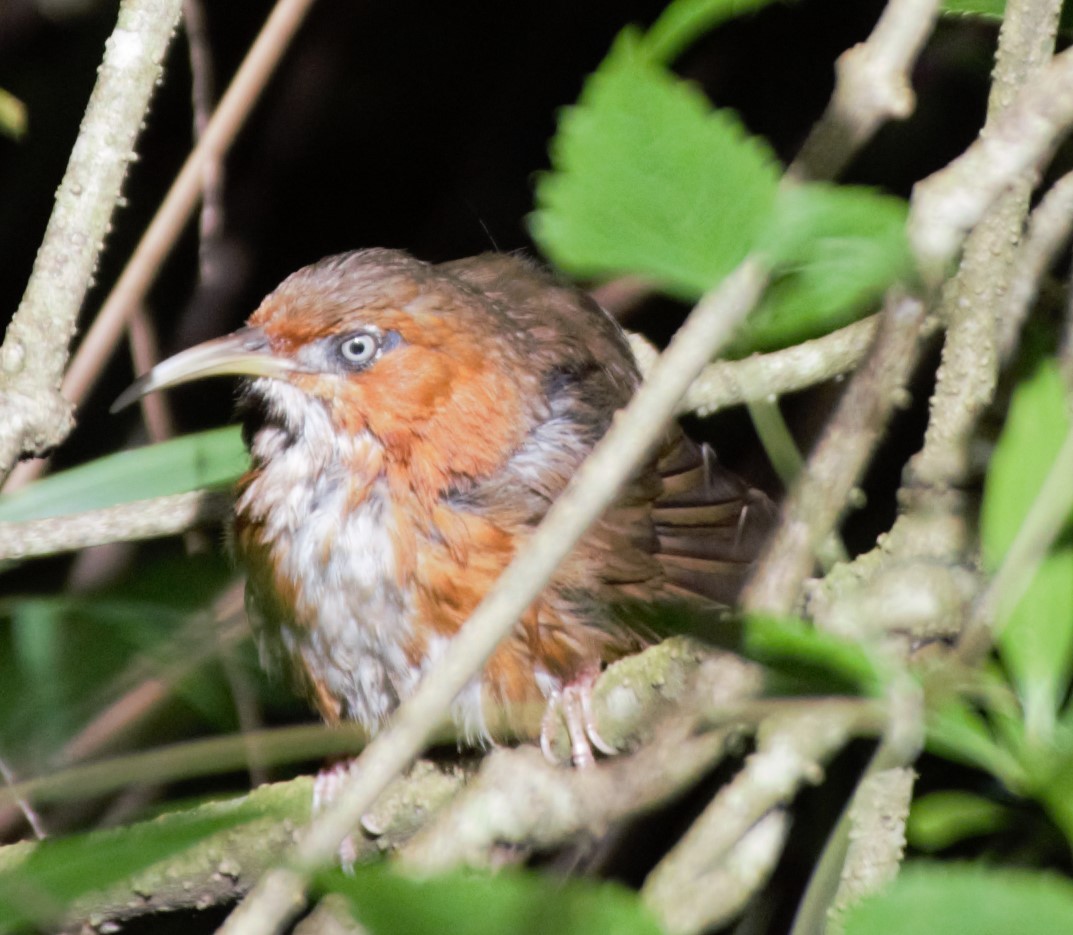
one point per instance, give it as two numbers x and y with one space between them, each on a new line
203 99
127 522
1048 229
22 804
872 87
727 383
35 415
281 893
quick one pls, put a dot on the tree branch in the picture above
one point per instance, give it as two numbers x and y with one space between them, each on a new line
35 416
872 87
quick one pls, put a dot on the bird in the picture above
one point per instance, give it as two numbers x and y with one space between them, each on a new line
409 425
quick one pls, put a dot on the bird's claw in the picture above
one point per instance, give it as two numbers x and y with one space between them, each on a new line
574 705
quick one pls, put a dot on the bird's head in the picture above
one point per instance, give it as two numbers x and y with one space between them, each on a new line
376 343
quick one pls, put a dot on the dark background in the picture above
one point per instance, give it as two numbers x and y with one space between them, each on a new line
417 125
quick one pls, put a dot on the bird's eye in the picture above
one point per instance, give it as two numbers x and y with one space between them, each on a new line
359 349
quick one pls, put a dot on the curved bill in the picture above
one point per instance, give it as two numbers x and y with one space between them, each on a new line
244 352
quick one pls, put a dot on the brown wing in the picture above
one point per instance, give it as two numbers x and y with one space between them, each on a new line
710 525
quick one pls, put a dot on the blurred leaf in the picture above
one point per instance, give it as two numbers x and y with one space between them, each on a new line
35 634
834 250
685 21
205 459
649 179
1035 427
12 115
992 9
387 903
960 733
55 872
941 819
775 641
1036 641
952 899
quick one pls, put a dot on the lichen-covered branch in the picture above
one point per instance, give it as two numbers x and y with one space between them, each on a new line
33 414
877 818
1048 229
791 751
835 466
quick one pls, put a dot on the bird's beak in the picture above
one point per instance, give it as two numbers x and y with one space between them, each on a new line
244 352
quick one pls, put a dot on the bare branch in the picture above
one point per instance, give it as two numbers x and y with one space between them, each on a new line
726 383
790 752
1048 229
142 519
872 87
35 415
877 819
1017 141
814 507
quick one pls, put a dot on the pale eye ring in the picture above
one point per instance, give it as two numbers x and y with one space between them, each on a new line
360 348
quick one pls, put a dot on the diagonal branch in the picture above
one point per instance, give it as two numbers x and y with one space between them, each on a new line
35 416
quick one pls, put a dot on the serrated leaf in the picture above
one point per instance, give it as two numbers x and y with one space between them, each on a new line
776 640
955 899
942 819
385 902
205 459
649 179
834 251
685 21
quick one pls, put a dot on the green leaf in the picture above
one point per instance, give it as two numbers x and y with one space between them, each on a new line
996 9
12 115
685 21
942 819
992 9
834 251
1036 641
952 899
648 179
956 731
776 641
205 459
1036 425
37 882
387 903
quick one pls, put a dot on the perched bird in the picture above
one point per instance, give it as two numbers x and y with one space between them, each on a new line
409 426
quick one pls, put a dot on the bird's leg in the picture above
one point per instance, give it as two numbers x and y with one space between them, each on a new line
573 703
327 785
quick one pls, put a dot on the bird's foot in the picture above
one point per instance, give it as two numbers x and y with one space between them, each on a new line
327 785
573 704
